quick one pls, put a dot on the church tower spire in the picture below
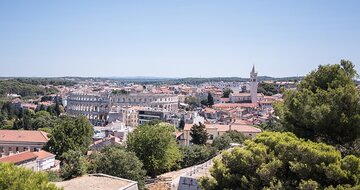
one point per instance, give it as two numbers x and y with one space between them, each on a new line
253 85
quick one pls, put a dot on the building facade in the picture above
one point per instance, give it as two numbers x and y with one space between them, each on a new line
97 106
94 106
215 130
14 141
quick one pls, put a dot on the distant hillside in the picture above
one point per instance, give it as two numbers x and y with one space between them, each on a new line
69 81
195 81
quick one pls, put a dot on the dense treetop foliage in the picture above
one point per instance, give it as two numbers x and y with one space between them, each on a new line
116 161
122 91
46 81
70 134
226 92
74 164
267 89
325 106
19 178
24 89
155 146
196 154
223 141
12 117
276 160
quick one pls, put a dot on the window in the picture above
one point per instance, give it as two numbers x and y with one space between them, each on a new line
17 149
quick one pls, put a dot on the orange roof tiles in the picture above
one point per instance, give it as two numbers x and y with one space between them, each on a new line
18 158
42 154
240 94
23 136
237 127
234 105
240 128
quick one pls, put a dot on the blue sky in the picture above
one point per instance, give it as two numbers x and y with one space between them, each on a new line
176 38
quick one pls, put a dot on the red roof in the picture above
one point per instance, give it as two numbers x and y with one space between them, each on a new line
209 110
42 154
18 158
235 105
223 128
23 136
239 128
241 94
242 122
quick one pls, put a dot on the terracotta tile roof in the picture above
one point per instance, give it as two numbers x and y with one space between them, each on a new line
178 134
240 94
209 110
18 158
42 154
23 136
29 105
242 122
235 105
240 128
267 102
237 127
47 103
187 127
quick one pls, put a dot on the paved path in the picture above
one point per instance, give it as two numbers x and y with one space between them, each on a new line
193 171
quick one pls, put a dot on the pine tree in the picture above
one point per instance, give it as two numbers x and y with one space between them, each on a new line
210 100
198 134
181 124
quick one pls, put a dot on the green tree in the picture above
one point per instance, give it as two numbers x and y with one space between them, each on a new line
116 161
223 141
70 134
282 160
57 109
192 101
204 102
272 124
276 160
181 123
267 89
20 178
210 100
42 119
325 106
156 147
227 92
196 154
73 164
198 134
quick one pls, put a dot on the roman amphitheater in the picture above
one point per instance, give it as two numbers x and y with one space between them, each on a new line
96 106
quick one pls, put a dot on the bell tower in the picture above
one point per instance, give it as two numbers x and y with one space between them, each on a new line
253 85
